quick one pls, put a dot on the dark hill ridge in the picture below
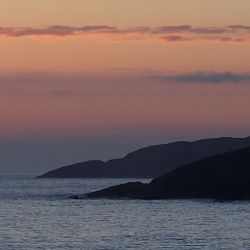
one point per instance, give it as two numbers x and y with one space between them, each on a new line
225 176
150 162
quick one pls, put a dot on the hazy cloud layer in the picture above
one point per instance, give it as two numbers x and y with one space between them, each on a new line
180 33
126 83
204 77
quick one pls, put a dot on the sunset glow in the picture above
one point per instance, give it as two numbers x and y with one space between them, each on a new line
133 68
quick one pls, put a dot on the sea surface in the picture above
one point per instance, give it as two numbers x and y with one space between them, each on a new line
39 214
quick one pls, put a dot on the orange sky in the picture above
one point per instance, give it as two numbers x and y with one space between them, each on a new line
124 68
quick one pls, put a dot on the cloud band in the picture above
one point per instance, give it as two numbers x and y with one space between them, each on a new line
180 33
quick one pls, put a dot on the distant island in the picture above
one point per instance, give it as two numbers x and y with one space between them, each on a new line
223 177
152 161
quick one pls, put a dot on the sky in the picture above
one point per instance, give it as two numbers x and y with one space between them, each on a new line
95 79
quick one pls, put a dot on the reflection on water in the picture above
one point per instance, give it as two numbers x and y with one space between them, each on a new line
37 214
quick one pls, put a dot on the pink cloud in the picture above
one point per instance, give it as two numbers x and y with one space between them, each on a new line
233 33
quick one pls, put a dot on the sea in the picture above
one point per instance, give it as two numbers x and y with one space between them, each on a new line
40 214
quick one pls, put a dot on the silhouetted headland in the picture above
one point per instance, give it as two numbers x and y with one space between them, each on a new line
150 162
225 176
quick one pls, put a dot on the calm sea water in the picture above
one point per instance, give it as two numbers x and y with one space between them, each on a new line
38 214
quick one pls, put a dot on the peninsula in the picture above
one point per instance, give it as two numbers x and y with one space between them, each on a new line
152 161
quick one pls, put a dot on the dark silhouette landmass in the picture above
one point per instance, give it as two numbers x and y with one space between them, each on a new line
225 176
150 162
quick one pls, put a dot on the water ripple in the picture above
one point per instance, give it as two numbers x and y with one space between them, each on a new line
37 214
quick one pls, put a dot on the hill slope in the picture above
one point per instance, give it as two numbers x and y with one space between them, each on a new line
150 162
225 176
